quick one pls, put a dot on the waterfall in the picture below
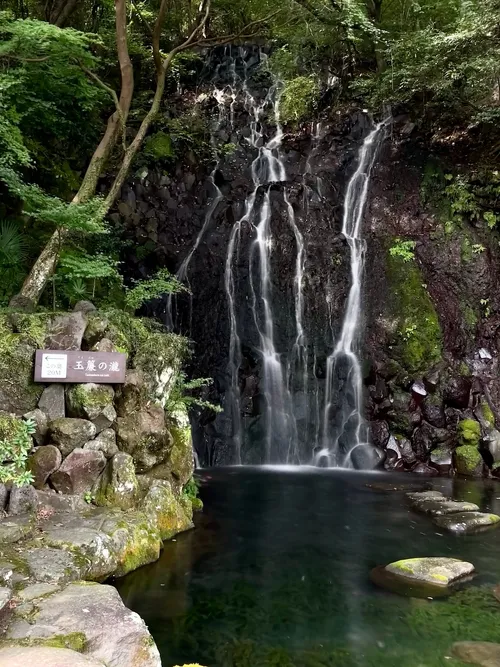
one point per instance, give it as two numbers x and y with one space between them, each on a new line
284 400
344 429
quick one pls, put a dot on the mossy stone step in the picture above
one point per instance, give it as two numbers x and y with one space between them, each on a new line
443 507
466 523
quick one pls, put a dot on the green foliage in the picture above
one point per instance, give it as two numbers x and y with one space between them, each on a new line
181 396
190 493
146 290
298 99
15 445
13 256
403 249
474 197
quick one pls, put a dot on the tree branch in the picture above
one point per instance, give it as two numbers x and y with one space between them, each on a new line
24 60
143 19
114 96
156 36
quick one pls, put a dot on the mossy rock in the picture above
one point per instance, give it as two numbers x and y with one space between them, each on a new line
181 455
418 343
117 486
469 432
487 413
18 393
171 513
140 542
468 461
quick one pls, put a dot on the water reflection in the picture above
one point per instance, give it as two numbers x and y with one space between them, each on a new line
277 574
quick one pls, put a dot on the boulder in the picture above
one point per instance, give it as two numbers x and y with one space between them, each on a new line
4 496
423 469
78 472
65 332
5 598
104 345
465 523
469 432
104 442
95 329
380 433
407 453
144 436
443 507
44 656
18 393
491 442
52 402
117 485
457 392
84 307
171 513
93 402
441 458
433 411
132 395
436 571
22 500
16 528
43 463
181 455
68 434
481 654
114 635
55 501
468 461
41 422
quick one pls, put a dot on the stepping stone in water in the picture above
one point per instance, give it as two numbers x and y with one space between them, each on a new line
466 523
484 654
422 577
442 507
425 495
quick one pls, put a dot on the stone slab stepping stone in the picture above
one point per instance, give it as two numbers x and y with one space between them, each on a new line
15 528
483 654
422 577
44 657
465 523
420 496
5 597
443 507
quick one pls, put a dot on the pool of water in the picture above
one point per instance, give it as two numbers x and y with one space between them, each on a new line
276 574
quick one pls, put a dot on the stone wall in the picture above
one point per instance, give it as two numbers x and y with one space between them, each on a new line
106 443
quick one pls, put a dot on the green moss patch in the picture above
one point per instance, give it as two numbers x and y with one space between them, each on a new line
418 343
469 432
467 459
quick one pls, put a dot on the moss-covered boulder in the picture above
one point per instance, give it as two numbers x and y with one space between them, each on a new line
69 433
18 393
171 512
468 461
181 455
469 432
42 463
117 486
144 436
93 402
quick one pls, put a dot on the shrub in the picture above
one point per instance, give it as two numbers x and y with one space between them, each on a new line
15 444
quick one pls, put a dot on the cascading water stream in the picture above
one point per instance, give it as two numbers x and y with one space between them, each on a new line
344 429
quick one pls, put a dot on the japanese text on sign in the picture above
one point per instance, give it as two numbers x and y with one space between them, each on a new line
79 366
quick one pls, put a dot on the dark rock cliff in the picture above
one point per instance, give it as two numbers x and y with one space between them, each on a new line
430 328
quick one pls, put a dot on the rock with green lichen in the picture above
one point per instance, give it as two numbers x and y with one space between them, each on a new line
93 402
171 514
181 455
18 393
468 461
104 442
437 571
144 436
42 463
137 540
52 402
78 472
111 633
97 325
65 331
465 523
117 486
481 654
44 656
41 425
69 433
469 432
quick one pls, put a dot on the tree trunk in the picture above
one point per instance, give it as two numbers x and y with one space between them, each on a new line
46 263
